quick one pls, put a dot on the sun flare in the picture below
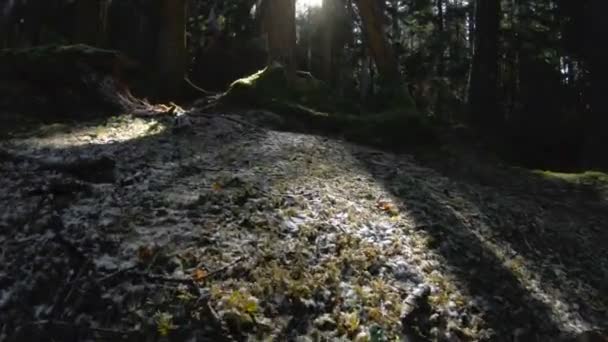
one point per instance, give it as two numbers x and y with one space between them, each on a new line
303 5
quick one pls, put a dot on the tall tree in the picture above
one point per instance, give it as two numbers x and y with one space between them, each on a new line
328 37
372 16
171 55
336 29
91 21
483 91
279 26
596 39
441 31
373 20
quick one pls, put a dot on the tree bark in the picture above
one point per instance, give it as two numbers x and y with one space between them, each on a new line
597 126
279 25
440 30
365 79
171 55
328 38
91 22
372 16
483 90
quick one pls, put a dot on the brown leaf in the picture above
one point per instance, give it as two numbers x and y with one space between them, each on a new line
388 207
145 253
199 274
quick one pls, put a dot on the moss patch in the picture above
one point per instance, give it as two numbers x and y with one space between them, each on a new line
264 85
394 129
583 178
307 104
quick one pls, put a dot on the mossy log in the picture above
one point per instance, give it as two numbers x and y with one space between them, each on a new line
61 62
271 84
64 76
307 105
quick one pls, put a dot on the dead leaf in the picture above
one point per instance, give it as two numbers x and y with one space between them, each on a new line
145 253
388 207
199 274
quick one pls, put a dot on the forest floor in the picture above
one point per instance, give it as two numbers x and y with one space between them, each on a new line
128 228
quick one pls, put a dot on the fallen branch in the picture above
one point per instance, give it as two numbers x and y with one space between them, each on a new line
224 268
64 324
228 118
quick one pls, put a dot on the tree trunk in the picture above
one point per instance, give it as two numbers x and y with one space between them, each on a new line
392 90
597 127
327 44
365 78
337 32
91 22
372 16
441 32
471 27
483 91
397 34
172 55
279 25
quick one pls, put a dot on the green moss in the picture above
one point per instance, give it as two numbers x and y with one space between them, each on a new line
394 129
265 85
587 177
307 103
270 85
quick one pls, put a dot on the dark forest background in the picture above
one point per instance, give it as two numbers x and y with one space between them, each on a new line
526 76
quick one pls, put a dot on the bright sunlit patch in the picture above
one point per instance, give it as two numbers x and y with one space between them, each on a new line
303 5
115 130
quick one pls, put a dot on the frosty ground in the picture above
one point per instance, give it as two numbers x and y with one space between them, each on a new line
131 228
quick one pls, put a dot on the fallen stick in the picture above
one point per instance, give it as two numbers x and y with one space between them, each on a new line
80 326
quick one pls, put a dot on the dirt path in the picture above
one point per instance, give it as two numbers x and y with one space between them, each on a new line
227 232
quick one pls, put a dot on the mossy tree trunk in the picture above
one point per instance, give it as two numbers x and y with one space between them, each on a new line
91 22
279 25
373 19
171 54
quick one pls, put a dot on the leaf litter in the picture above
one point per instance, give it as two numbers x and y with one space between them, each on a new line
225 232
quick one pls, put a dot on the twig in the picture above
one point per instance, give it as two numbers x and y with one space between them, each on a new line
224 268
155 277
76 326
229 118
117 273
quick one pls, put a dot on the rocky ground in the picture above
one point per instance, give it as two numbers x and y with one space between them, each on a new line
214 228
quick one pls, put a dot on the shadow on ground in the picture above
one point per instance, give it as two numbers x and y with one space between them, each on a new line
521 244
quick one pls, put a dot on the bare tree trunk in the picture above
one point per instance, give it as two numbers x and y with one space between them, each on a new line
337 32
91 22
397 34
441 31
483 91
372 15
172 55
394 92
279 25
594 155
327 44
365 79
439 112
